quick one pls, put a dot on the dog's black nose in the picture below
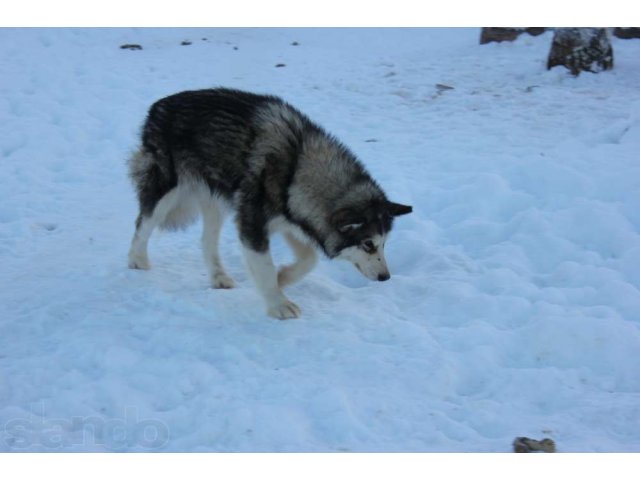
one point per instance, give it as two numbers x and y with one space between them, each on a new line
383 277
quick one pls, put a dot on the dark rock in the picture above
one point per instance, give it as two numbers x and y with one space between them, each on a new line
442 87
535 31
497 34
627 33
500 34
581 50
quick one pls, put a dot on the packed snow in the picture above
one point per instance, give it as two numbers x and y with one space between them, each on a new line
514 303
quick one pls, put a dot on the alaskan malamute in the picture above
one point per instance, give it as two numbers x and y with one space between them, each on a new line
210 151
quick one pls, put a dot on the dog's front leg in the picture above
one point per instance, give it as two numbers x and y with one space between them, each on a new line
306 259
265 275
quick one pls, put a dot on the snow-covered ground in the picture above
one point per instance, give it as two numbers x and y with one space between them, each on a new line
514 305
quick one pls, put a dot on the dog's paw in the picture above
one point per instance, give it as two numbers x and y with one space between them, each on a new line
285 310
222 280
139 262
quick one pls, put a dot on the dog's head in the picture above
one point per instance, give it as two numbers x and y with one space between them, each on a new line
364 232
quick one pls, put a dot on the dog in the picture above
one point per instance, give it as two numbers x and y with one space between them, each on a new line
218 150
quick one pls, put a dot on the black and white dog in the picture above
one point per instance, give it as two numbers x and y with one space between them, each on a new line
210 151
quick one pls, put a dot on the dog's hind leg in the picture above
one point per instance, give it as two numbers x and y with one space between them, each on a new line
306 259
213 217
157 196
138 257
145 224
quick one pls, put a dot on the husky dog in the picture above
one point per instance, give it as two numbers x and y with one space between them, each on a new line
211 151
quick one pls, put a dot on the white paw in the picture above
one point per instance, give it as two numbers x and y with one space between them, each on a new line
139 262
222 280
284 310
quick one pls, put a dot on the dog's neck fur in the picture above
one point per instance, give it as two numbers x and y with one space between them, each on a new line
325 171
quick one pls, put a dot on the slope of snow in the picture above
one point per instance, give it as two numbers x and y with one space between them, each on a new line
514 304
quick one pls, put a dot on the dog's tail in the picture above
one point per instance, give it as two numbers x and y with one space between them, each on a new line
159 193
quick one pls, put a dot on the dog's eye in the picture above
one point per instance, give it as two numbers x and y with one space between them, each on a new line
368 246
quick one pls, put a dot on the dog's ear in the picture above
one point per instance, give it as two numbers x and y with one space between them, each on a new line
346 219
396 209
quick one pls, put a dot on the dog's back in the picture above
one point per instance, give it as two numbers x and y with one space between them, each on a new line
199 135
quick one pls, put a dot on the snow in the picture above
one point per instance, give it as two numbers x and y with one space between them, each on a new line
514 303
